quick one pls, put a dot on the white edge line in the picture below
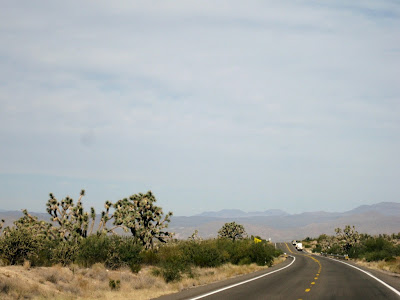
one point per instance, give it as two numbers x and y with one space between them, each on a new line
369 274
243 282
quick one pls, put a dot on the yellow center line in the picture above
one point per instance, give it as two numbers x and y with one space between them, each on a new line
288 248
314 259
319 271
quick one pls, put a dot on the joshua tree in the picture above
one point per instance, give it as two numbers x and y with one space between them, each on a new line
142 218
348 237
326 242
195 236
232 231
72 220
37 228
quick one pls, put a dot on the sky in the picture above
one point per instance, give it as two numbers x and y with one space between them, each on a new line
211 105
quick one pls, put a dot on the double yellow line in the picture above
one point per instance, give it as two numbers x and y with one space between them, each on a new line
319 269
289 248
316 275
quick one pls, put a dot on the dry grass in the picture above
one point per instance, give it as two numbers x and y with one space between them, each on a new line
389 266
93 283
17 282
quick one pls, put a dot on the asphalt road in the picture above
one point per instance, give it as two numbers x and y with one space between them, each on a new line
301 276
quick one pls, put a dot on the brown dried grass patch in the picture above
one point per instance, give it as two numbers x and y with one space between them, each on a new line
93 283
17 283
392 266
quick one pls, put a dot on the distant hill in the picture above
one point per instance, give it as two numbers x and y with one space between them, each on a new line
237 213
377 218
225 213
384 208
268 213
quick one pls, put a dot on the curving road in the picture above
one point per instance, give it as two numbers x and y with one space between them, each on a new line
301 276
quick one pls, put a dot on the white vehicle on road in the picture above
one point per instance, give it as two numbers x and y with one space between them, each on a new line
299 246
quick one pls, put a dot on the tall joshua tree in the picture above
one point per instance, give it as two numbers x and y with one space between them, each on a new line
348 237
142 218
232 231
72 220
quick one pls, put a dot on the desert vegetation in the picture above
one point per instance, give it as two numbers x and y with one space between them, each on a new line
379 251
79 247
232 231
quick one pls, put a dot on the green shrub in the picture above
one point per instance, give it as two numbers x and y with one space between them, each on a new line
173 263
390 259
377 255
149 257
396 250
335 249
244 261
377 244
227 248
114 284
135 267
123 251
156 272
208 256
278 252
356 251
238 250
203 254
171 273
17 245
245 251
93 249
262 254
44 254
317 248
378 249
65 252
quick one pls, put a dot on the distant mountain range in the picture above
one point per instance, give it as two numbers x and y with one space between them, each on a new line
276 224
237 213
385 208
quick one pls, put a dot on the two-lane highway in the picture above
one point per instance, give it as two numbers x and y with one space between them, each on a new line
302 276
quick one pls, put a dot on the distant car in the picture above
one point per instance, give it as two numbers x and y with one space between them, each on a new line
294 242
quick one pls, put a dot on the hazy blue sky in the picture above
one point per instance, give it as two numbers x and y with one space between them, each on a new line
210 104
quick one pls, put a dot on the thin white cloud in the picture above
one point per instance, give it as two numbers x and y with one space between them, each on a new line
193 96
